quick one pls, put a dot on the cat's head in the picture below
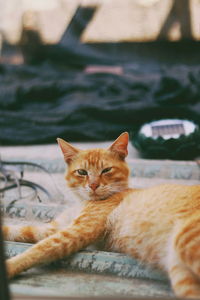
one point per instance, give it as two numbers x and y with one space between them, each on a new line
95 174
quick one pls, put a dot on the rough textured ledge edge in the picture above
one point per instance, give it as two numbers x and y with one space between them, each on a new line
98 262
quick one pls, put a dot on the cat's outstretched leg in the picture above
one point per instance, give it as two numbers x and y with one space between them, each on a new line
28 233
85 229
184 281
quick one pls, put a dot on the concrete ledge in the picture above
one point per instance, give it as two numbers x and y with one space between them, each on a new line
98 262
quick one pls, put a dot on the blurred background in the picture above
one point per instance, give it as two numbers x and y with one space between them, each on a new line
89 70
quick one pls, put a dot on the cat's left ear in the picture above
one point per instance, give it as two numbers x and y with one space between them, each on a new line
120 145
68 150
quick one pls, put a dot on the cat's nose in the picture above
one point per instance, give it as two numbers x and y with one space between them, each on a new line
94 185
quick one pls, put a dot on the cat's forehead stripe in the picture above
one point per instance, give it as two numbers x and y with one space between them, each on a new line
95 158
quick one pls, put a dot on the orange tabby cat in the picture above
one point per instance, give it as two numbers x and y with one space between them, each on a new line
158 225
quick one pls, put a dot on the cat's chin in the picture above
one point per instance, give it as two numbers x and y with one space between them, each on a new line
96 197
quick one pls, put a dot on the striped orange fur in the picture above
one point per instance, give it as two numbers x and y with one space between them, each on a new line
158 225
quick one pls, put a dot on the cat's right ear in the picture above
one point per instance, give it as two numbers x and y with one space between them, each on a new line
68 150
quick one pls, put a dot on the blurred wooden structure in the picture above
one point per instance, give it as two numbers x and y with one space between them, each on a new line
113 21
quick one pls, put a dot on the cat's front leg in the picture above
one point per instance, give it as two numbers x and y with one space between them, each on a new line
28 233
55 247
85 230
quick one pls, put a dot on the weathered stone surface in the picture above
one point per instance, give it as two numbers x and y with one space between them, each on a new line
90 273
100 262
57 282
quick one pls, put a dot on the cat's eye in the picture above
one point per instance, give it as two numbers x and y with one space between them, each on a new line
82 172
106 170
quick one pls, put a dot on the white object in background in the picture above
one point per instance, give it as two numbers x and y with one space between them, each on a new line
168 128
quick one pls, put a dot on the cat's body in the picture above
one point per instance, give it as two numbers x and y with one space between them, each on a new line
159 225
